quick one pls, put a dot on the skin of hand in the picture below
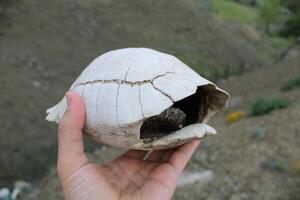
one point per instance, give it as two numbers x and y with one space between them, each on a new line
126 177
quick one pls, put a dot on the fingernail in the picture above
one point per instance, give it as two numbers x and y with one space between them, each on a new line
69 100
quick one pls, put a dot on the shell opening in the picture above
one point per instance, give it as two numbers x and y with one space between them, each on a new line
192 109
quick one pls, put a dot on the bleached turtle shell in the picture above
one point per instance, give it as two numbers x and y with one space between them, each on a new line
122 88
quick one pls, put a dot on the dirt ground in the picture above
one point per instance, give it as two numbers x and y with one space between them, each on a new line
242 161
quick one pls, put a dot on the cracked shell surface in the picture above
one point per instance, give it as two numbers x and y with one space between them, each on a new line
123 88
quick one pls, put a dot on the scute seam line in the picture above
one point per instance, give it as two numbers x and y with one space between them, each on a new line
167 95
123 82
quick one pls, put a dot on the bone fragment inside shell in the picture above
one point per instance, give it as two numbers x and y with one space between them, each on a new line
158 126
190 110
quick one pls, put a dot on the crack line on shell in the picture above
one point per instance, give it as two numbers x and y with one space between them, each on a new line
117 98
129 67
140 101
162 92
97 108
124 82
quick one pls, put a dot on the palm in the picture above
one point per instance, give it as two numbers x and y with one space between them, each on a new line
135 178
129 177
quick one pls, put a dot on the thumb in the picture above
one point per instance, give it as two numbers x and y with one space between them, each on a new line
71 154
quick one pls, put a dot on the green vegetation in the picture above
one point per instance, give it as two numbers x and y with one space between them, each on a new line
280 43
291 84
274 47
291 26
269 13
232 11
274 164
262 107
255 3
293 5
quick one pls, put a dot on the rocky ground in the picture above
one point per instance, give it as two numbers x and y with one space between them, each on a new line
253 158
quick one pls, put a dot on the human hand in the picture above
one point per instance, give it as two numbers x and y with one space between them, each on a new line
127 177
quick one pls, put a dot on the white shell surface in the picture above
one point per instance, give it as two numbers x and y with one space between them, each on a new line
128 104
150 96
123 87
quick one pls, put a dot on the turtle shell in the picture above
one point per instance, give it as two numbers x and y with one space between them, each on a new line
124 89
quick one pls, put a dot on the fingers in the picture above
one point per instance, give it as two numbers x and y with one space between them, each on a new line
180 157
70 140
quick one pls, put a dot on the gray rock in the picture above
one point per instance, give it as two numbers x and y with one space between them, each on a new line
192 177
4 194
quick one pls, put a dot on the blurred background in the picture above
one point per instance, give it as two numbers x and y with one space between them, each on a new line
251 48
